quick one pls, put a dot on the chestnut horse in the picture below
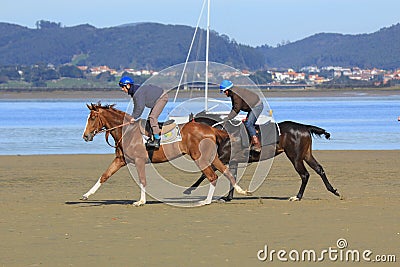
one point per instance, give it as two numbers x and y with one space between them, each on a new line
130 148
295 140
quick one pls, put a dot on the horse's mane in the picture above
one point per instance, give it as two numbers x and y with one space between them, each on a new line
109 107
99 105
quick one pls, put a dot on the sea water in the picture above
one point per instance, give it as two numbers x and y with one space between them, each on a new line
56 126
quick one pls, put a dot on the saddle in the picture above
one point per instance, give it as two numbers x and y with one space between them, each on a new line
170 132
267 133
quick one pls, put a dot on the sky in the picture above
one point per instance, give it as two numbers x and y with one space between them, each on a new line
250 22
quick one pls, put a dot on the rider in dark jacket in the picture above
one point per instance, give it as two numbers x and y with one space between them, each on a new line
247 101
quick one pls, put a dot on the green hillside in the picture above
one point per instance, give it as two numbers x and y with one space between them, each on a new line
157 46
380 49
144 45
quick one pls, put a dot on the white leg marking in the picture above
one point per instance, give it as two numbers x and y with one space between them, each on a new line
294 198
142 200
208 200
92 190
240 190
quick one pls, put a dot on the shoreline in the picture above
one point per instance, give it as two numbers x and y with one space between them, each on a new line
117 94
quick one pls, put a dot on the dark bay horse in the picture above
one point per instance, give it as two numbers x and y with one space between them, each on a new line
295 140
130 148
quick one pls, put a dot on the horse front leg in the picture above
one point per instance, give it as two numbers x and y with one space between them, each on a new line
141 169
233 168
113 168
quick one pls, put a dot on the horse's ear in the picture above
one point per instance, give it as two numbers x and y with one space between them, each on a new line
89 107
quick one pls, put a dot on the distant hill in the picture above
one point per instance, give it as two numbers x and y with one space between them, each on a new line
157 46
139 45
380 49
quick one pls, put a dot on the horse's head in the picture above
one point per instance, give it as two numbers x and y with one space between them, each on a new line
94 124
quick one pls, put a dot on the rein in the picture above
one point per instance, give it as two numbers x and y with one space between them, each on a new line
107 131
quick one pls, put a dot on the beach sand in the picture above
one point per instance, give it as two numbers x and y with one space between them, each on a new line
43 222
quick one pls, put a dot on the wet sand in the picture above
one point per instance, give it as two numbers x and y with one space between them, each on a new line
43 222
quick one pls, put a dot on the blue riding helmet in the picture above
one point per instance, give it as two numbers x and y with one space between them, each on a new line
125 80
225 85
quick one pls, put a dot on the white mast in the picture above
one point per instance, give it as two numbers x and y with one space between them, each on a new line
207 48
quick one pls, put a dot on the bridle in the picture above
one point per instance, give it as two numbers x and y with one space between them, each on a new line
107 131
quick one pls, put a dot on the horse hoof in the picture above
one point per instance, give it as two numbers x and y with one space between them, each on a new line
139 203
225 199
204 202
295 198
188 191
336 193
248 193
239 190
84 198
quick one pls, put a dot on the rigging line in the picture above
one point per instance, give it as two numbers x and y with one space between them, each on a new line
190 49
207 52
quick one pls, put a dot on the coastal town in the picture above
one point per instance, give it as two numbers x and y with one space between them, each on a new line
69 76
310 75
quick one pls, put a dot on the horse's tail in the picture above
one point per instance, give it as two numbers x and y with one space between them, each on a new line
314 130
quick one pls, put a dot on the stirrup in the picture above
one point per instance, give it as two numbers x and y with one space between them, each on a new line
153 143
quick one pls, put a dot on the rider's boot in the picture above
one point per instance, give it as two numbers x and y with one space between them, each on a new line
154 142
256 145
